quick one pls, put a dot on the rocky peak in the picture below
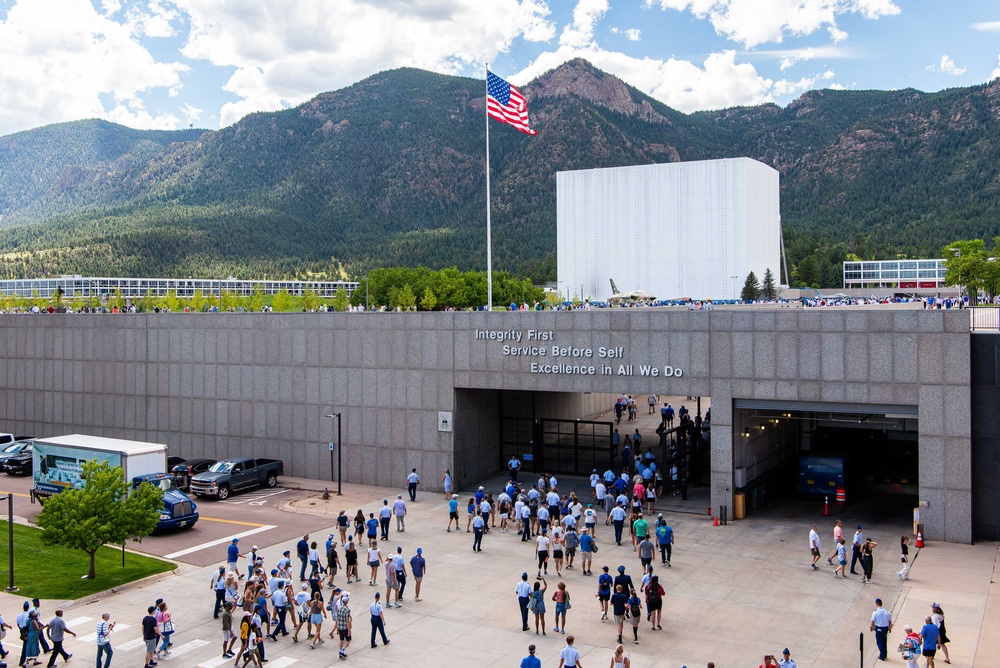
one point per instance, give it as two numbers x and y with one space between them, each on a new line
578 77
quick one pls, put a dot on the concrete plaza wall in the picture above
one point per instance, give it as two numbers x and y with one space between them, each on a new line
216 385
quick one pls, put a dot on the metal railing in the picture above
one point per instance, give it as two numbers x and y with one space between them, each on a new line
984 318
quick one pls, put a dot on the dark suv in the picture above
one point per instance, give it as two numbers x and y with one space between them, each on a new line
183 472
16 458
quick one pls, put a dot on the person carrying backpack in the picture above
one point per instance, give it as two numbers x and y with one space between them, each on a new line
654 602
634 609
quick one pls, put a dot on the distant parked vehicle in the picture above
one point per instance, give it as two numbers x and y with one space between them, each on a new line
16 458
233 475
185 471
174 461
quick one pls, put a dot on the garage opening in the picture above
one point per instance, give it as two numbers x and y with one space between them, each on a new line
861 455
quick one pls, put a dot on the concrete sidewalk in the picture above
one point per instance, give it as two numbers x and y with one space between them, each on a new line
734 593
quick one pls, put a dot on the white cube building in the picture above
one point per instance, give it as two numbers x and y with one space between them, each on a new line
687 229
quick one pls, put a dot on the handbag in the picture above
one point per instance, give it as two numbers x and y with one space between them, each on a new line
593 548
167 626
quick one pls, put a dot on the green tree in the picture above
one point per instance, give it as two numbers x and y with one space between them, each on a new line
405 299
310 300
282 301
969 265
769 290
104 511
429 301
171 301
257 297
198 300
751 288
340 301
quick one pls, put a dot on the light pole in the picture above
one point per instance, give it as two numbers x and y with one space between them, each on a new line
10 542
366 294
336 415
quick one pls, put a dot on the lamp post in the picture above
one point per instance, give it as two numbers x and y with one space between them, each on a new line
10 542
366 294
336 415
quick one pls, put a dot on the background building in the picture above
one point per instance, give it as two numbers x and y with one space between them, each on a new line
691 229
135 288
902 274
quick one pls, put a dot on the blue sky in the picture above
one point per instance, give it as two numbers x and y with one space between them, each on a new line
174 63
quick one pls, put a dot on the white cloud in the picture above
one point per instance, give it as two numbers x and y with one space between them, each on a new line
153 20
632 34
785 88
61 56
719 82
987 26
790 57
946 66
191 114
754 22
284 53
996 73
585 15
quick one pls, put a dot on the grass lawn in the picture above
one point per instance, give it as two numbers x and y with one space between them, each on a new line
54 572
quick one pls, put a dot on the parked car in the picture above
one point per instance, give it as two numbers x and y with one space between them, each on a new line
174 461
183 472
233 475
12 450
19 462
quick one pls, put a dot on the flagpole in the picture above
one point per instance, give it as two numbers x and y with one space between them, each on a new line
489 236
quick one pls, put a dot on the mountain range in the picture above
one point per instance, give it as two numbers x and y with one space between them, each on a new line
391 172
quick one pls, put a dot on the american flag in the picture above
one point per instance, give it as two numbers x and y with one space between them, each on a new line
506 104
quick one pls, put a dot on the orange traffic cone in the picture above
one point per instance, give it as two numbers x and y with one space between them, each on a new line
826 506
920 539
716 522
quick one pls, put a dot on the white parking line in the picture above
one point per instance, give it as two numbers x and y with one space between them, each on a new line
185 648
255 498
220 541
128 646
216 662
91 637
79 621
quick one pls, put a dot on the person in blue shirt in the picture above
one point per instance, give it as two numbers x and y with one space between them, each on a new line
618 411
531 661
586 551
302 550
604 582
929 635
233 557
665 539
453 511
372 526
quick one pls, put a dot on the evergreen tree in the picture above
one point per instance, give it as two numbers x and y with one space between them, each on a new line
769 290
751 288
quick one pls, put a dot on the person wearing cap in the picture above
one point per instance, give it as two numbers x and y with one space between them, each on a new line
523 591
399 511
218 585
531 661
233 557
279 599
624 580
332 559
881 624
418 567
345 623
284 564
859 540
378 620
912 645
664 539
384 515
786 660
453 512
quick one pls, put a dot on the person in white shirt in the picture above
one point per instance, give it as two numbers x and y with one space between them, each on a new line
553 484
399 510
814 546
378 620
412 481
569 657
542 552
594 479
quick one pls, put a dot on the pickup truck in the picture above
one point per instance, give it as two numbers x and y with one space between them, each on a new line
178 510
232 475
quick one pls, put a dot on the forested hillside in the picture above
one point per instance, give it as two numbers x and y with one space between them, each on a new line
391 172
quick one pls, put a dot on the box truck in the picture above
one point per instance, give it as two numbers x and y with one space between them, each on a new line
58 465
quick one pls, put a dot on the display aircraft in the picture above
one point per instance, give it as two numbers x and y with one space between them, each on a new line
635 296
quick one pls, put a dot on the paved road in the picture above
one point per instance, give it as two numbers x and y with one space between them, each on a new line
254 516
